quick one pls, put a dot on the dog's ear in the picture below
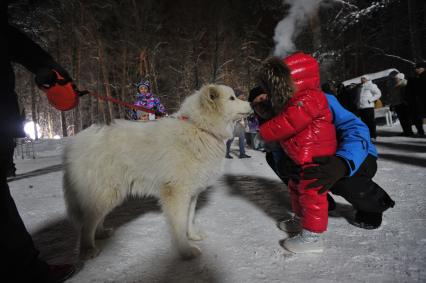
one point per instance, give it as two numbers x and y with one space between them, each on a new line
209 96
213 92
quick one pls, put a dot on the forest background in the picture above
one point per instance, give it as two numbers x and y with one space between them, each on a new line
108 46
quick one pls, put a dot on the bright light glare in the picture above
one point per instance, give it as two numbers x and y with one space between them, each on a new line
29 130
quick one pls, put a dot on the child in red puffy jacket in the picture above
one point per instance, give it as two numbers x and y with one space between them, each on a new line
303 124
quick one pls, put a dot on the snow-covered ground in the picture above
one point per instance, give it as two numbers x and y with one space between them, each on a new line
239 215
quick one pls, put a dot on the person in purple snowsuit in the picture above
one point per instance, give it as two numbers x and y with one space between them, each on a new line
146 99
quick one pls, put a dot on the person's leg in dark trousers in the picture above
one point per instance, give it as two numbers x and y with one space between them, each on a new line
241 143
228 148
404 119
249 140
418 123
20 258
367 197
367 116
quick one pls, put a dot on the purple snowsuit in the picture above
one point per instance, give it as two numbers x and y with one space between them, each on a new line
149 102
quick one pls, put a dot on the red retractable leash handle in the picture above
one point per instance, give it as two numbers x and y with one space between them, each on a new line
64 96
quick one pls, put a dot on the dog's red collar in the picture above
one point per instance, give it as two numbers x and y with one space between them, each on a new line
186 118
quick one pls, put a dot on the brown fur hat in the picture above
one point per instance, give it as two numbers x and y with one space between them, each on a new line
275 78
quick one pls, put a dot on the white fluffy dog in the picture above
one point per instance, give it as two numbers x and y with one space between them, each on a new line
174 159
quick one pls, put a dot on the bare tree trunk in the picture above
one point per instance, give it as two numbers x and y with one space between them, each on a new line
123 82
414 38
76 75
64 124
63 117
49 123
315 24
98 114
143 64
109 115
195 56
215 56
358 54
33 107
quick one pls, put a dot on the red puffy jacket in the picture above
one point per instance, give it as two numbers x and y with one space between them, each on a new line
305 126
305 130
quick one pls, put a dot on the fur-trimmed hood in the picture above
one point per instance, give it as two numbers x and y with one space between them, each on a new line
275 78
282 79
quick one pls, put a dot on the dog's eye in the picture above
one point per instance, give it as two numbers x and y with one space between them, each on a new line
232 98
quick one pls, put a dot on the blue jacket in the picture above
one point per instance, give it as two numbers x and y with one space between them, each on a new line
353 136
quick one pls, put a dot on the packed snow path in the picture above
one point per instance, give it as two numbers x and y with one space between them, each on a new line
239 215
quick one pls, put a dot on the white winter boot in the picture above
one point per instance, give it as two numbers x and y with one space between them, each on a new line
305 242
291 225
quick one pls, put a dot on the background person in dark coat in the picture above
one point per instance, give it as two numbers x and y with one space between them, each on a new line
416 90
20 257
347 97
398 102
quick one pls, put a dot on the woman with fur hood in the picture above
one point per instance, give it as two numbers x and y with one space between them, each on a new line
302 123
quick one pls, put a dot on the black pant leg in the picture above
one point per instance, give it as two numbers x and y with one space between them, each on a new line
275 167
367 116
20 257
404 118
361 191
418 123
228 145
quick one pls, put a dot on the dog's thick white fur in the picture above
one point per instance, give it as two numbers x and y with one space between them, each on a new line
174 159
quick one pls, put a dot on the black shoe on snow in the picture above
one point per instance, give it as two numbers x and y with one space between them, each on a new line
244 156
367 220
228 156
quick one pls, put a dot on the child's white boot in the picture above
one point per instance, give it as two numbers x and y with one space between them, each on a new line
291 225
305 242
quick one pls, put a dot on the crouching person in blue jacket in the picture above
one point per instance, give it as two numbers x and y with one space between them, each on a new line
348 173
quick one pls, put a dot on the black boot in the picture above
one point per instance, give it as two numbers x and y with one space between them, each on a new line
367 220
331 203
387 202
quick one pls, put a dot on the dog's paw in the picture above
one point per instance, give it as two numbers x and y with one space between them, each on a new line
196 235
89 253
104 233
190 252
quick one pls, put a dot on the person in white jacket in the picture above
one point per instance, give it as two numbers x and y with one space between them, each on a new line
368 94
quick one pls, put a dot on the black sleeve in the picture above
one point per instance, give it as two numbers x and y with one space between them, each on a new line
26 52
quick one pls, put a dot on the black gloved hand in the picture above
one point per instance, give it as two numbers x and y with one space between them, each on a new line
329 170
46 77
288 169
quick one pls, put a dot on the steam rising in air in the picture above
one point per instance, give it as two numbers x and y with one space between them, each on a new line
288 28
